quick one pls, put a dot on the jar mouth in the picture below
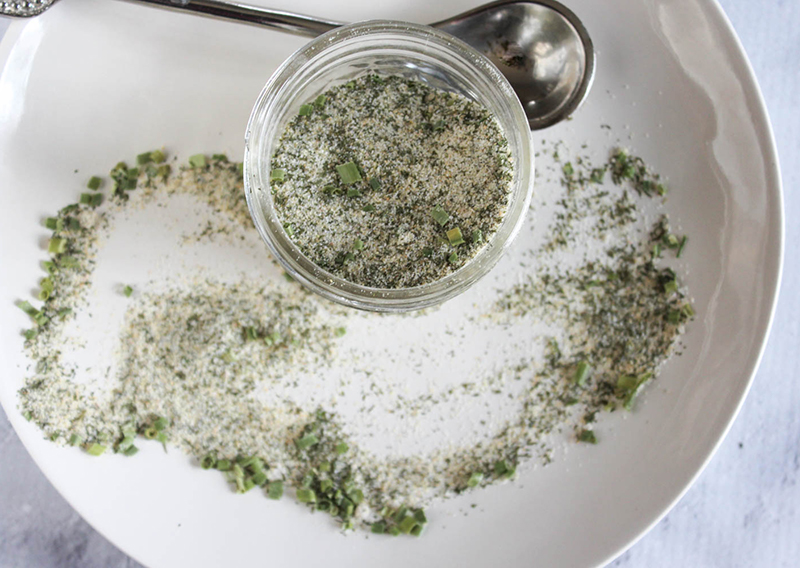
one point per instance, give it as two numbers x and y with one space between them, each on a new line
391 48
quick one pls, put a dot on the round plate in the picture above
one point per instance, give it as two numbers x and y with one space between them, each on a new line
91 82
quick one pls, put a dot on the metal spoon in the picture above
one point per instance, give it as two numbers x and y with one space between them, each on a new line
540 46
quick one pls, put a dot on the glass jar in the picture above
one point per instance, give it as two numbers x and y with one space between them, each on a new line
408 50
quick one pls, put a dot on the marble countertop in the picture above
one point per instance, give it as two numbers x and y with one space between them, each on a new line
744 510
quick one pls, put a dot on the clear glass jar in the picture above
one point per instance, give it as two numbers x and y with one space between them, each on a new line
409 50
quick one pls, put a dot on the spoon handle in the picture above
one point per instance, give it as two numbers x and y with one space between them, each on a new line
275 19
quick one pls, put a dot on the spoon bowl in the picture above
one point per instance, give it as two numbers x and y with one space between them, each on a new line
540 46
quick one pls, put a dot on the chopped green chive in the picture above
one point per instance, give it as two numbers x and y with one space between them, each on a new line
208 461
27 415
581 373
348 173
144 158
440 215
368 208
455 237
670 287
358 244
341 448
503 469
289 229
158 156
95 449
353 192
339 332
305 110
56 245
453 258
587 436
375 183
92 199
94 183
223 465
277 174
51 223
475 479
597 175
75 440
127 290
568 169
275 490
656 250
688 310
674 317
407 524
394 531
319 102
681 246
259 478
306 496
306 441
197 161
671 241
219 157
130 451
477 236
164 170
378 528
30 333
417 530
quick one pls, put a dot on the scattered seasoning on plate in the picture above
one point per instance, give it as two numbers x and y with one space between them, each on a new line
193 360
400 164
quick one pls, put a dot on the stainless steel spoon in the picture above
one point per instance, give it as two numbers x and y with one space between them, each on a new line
540 46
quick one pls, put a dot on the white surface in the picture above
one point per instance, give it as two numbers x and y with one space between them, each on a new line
725 554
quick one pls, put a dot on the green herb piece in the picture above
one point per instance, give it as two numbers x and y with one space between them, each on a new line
75 440
275 490
277 174
394 531
440 215
353 192
306 441
339 332
597 175
688 310
568 169
56 245
358 244
670 287
208 461
27 415
127 290
95 449
259 478
348 173
477 236
671 241
29 334
356 496
656 250
164 170
368 208
305 110
319 102
197 161
453 258
160 423
455 237
681 246
144 158
629 387
94 183
289 229
587 436
419 515
158 156
51 223
375 183
306 496
503 469
223 465
581 373
417 530
68 261
130 451
407 524
378 528
341 448
91 199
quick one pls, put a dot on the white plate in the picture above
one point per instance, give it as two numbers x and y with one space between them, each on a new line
91 82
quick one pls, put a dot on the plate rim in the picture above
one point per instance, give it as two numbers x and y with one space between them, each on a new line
764 131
